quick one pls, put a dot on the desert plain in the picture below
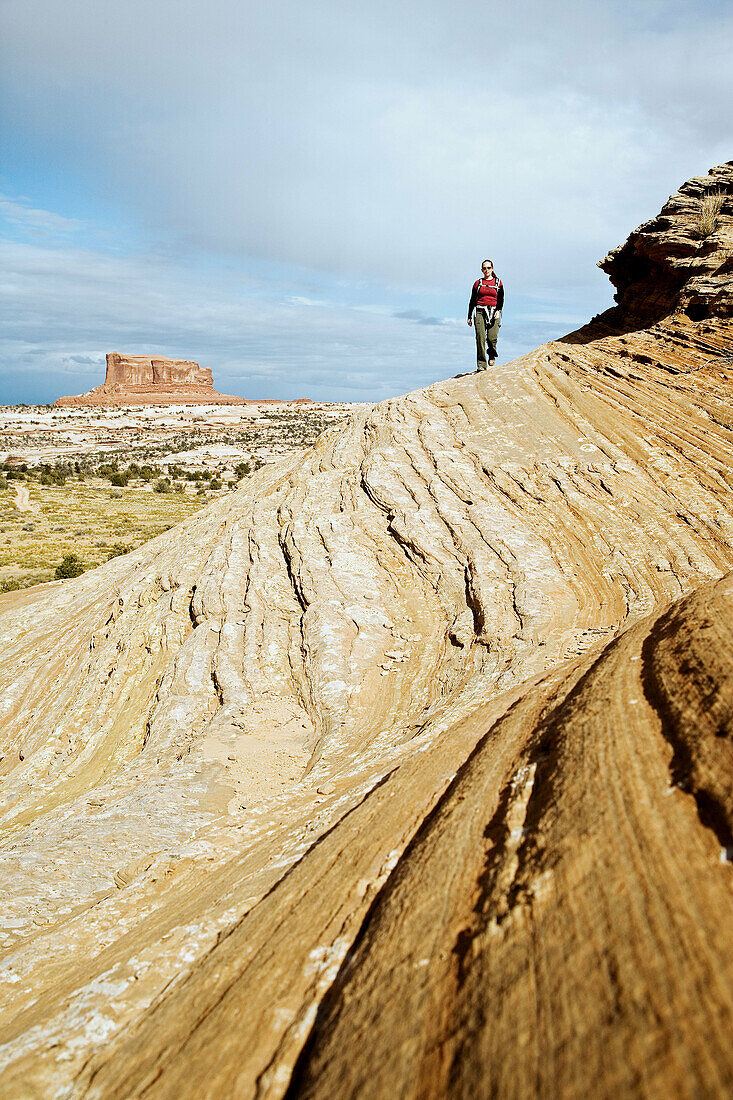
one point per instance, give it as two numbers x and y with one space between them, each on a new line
96 481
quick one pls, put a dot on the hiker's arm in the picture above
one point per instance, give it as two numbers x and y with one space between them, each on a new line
472 301
500 298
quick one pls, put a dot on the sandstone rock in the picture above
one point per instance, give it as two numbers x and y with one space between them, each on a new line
672 262
149 380
406 769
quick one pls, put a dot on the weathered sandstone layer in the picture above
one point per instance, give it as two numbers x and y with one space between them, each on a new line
149 380
407 769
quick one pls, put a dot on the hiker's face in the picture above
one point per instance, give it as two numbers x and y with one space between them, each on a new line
487 269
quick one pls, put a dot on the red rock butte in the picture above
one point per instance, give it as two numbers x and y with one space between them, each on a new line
151 380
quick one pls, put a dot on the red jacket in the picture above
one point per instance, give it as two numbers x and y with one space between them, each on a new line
488 293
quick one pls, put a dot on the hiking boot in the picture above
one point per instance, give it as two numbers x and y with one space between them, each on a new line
491 362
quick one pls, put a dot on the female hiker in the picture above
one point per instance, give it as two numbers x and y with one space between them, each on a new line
487 300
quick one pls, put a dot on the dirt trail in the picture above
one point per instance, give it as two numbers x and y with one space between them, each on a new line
23 499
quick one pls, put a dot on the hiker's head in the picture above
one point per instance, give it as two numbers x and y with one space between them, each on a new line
487 267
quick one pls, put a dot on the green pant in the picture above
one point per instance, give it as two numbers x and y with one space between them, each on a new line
486 340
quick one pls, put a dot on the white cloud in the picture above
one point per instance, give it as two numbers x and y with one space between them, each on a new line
386 138
388 145
43 223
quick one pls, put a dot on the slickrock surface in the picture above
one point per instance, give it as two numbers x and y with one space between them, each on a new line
407 769
147 380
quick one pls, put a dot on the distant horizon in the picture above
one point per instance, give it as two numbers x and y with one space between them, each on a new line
51 383
306 219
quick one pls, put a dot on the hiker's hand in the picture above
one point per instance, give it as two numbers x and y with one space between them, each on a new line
498 314
469 321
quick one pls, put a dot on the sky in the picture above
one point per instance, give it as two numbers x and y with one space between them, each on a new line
299 196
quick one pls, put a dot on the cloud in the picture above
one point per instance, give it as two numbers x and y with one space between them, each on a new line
419 316
18 213
64 308
305 179
382 139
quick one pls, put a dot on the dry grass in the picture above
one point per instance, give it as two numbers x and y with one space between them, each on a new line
81 518
709 212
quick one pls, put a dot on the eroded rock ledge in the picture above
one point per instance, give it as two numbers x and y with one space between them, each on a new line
406 769
680 260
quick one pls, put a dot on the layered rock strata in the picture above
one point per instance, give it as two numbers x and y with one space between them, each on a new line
405 770
150 380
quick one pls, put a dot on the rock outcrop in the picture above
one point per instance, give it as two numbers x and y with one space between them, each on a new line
151 380
681 259
407 769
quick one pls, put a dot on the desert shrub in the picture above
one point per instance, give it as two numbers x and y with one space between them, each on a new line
163 485
116 493
147 473
242 469
3 482
118 479
708 214
52 479
56 474
118 549
215 483
177 487
71 566
16 584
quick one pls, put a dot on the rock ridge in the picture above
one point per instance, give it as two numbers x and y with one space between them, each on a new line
407 768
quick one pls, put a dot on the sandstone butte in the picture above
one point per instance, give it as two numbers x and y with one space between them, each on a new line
405 770
150 380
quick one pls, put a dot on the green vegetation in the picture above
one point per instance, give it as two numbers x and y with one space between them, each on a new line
71 566
118 549
81 518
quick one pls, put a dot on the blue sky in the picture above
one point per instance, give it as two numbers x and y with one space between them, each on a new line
299 196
